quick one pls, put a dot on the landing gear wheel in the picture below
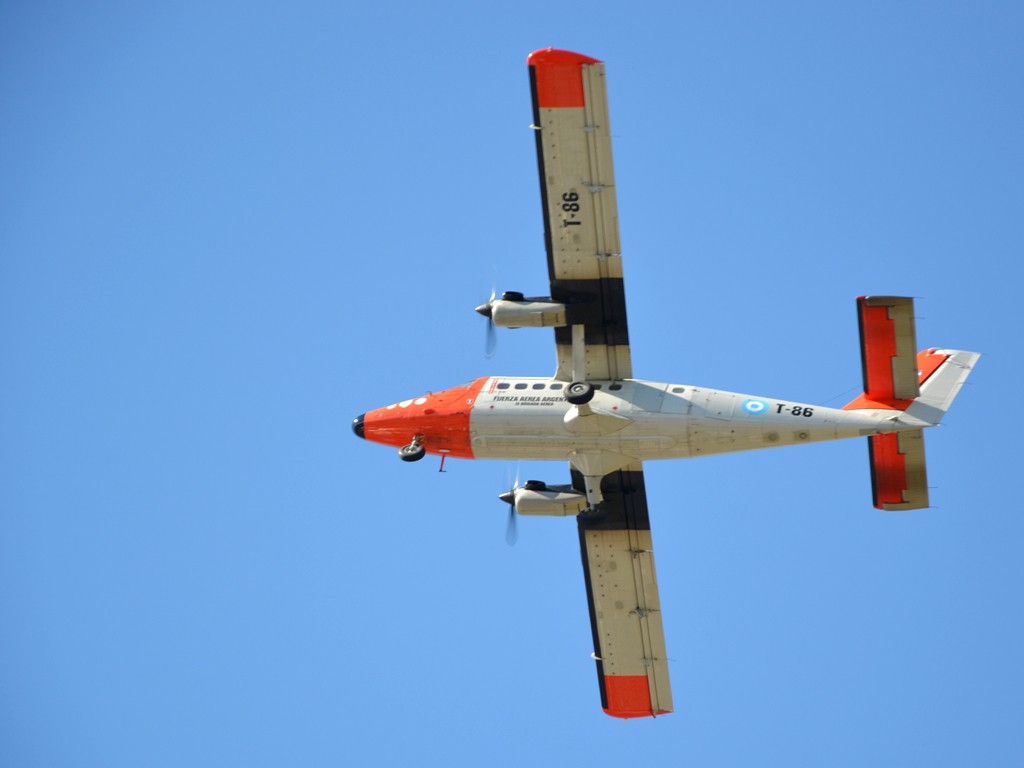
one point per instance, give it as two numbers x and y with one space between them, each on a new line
412 452
579 392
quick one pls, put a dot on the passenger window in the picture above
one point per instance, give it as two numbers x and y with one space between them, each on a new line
557 385
538 386
521 385
678 390
503 385
615 387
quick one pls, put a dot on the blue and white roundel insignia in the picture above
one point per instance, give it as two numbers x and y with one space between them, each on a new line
755 407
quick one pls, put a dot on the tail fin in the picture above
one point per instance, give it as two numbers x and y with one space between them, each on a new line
922 387
943 372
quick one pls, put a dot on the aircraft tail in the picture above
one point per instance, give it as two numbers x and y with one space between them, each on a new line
922 386
943 373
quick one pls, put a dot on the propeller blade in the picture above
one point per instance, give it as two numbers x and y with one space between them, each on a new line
491 338
512 527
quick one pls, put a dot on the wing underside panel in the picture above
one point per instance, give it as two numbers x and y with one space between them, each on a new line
622 592
581 224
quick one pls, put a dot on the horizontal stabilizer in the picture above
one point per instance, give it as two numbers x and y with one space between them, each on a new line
922 386
888 347
898 477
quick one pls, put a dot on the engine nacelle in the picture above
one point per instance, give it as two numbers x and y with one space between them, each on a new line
536 498
527 313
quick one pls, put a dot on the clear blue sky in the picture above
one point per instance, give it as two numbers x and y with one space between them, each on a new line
227 228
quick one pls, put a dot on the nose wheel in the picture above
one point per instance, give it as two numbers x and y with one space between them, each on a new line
414 451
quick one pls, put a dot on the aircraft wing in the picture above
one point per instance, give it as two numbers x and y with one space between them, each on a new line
581 224
622 592
581 234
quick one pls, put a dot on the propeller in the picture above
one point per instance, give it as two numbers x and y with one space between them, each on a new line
491 338
512 526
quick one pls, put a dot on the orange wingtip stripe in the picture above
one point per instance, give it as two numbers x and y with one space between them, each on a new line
629 696
558 77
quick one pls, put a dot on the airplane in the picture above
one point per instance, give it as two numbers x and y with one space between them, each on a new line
593 414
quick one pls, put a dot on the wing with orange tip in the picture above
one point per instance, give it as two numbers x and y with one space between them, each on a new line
581 221
581 230
622 594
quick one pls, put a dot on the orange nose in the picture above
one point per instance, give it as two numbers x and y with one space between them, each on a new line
439 421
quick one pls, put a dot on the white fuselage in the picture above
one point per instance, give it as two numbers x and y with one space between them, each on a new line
529 418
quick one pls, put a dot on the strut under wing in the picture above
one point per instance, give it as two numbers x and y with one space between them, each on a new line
622 592
581 222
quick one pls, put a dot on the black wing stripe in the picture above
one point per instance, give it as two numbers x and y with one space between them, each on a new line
625 502
599 305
